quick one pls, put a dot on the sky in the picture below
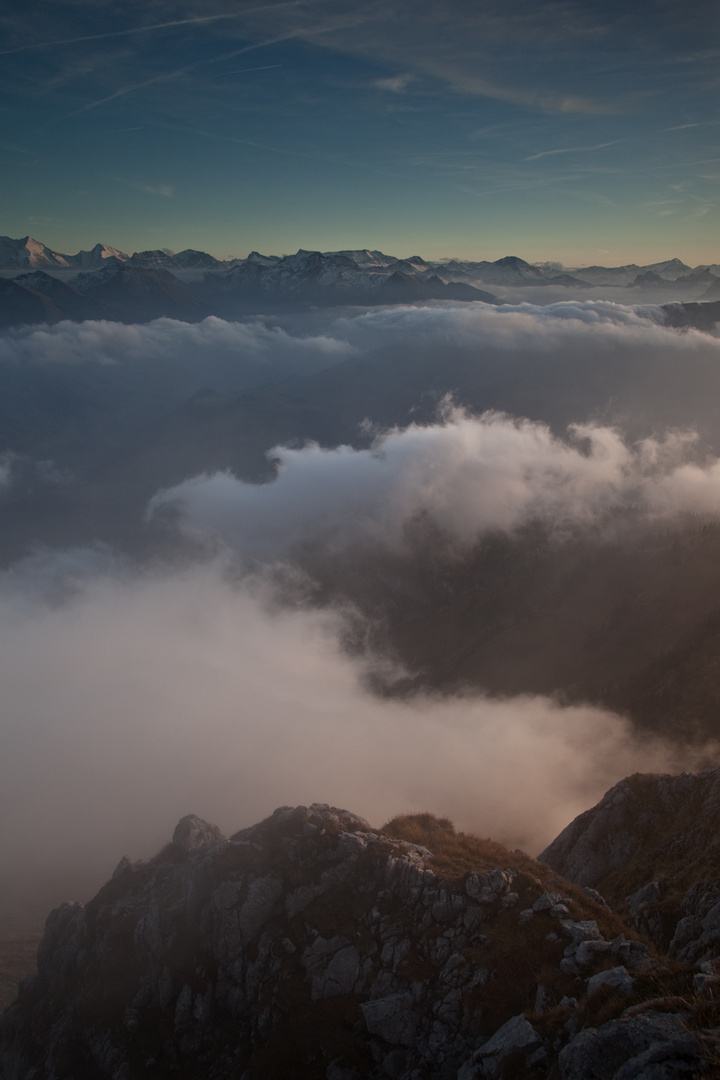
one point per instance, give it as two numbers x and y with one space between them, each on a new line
572 131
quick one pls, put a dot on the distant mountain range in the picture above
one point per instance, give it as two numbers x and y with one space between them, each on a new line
38 284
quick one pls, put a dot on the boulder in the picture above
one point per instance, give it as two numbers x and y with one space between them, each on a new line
192 832
616 978
634 1048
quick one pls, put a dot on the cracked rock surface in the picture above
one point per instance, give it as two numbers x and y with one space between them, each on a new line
312 946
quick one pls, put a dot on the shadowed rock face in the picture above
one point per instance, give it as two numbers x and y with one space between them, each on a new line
652 847
311 946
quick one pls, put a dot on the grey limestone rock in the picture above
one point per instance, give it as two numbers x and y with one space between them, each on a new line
489 887
617 978
546 901
580 930
192 832
624 1049
340 975
587 951
394 1018
257 908
597 841
312 936
516 1036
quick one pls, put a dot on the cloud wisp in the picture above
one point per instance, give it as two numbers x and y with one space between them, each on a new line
572 150
197 20
469 475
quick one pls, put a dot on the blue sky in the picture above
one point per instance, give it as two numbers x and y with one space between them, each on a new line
582 132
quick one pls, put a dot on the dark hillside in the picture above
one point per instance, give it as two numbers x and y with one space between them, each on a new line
311 946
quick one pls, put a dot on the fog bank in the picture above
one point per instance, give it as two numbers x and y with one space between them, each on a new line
467 474
133 698
134 694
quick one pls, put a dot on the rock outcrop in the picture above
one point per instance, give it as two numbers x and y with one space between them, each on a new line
312 946
651 846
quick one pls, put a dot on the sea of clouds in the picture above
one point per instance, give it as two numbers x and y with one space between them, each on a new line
134 693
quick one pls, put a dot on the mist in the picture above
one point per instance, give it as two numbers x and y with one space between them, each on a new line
217 343
209 672
132 698
467 474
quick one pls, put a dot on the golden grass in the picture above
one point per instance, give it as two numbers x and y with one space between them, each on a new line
453 853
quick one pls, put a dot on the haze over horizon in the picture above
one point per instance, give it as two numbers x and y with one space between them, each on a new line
554 131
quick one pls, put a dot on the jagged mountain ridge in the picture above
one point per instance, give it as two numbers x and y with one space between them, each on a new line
311 945
192 286
237 286
29 252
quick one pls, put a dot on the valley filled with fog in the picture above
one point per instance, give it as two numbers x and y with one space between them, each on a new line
447 556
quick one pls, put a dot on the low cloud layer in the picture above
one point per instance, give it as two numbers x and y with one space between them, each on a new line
468 474
131 699
532 328
133 695
212 341
565 362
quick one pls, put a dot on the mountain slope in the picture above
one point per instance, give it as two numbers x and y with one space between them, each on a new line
195 282
311 946
19 305
652 846
70 303
135 294
26 253
30 253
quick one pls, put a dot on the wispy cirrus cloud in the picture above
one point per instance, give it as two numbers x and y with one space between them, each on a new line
171 24
398 84
166 190
178 73
697 124
573 150
134 87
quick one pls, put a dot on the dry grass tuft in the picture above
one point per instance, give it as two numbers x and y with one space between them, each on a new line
453 853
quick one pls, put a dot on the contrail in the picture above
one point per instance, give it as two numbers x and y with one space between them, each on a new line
144 29
572 150
188 67
137 86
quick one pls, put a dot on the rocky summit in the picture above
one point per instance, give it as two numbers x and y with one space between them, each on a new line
312 946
